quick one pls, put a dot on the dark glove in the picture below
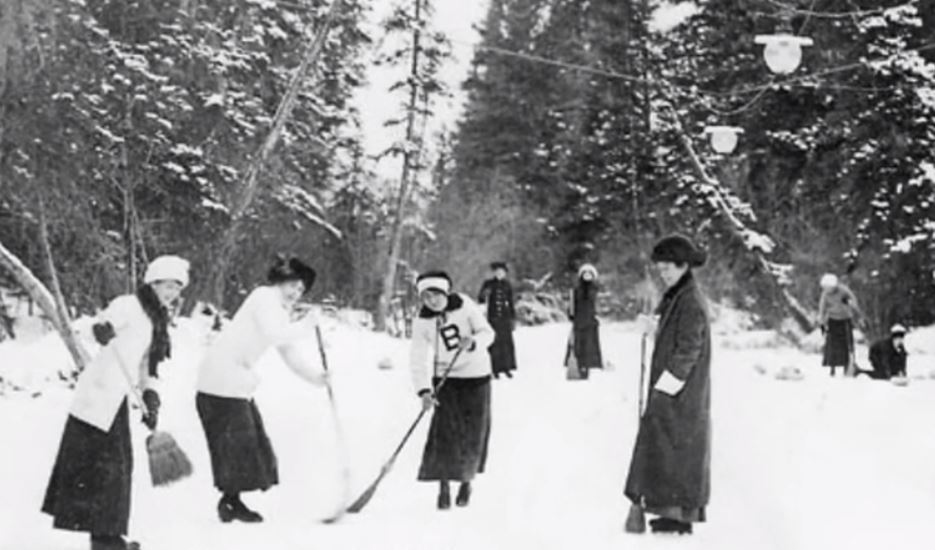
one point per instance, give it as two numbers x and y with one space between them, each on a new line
103 332
824 330
152 402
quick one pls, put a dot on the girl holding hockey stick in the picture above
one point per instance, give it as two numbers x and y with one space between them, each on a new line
242 457
451 327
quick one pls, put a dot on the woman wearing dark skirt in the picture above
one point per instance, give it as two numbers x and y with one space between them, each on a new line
497 294
90 486
450 327
837 311
586 327
242 457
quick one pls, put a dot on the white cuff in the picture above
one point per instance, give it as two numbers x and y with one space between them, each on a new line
669 384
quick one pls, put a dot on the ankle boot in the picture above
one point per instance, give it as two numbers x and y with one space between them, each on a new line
112 542
464 494
444 496
231 508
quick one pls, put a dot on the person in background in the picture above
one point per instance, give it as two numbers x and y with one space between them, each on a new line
450 341
585 325
670 469
497 294
90 486
242 457
888 355
837 313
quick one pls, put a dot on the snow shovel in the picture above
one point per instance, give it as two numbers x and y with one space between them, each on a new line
365 497
339 435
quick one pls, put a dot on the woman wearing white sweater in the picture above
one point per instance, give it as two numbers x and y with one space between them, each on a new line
452 327
242 457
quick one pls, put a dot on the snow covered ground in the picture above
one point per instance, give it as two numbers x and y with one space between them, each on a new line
817 463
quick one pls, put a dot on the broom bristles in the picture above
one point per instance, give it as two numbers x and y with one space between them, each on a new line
168 463
636 520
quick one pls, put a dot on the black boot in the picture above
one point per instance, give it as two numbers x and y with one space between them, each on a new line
666 525
464 494
230 507
444 496
112 542
508 373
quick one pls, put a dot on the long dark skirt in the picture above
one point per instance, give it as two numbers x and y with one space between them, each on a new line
242 457
502 352
839 343
89 489
456 448
588 346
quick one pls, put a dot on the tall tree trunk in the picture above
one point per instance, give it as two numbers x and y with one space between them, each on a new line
396 235
217 276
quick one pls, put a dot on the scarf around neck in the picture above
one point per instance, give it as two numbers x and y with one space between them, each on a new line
160 347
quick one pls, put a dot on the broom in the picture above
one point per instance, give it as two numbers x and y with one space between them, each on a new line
365 497
168 463
339 434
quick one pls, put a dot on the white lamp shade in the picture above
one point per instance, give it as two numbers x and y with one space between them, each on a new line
783 52
723 138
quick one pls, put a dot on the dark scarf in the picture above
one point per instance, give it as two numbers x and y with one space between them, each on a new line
669 296
160 347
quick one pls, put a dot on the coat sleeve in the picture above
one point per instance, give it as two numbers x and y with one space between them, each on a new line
480 328
509 295
852 305
421 354
484 292
689 343
299 362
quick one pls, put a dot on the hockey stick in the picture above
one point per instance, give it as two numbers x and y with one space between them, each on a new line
339 435
365 497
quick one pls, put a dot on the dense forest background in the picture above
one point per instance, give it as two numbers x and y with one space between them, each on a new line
127 127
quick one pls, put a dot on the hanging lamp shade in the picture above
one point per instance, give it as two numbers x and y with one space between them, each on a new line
723 138
783 52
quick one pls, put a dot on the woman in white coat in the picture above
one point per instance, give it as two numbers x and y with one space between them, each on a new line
90 486
456 448
242 458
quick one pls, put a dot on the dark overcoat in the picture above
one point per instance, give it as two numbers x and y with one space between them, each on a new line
497 295
671 461
587 341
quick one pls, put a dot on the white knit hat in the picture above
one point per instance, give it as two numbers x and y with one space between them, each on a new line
167 268
587 268
898 329
829 280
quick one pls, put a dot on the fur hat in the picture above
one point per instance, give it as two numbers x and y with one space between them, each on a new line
897 330
434 280
587 268
679 249
499 265
829 281
291 269
167 268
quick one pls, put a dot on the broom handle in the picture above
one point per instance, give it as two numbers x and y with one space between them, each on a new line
133 389
642 373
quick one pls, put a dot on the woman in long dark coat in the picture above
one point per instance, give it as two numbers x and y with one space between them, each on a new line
586 327
670 469
90 486
497 294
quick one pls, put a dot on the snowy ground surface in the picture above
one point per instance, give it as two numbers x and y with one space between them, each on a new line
816 463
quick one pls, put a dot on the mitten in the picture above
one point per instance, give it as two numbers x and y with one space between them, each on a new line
103 332
152 402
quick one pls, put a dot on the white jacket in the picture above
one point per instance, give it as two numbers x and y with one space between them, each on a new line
104 384
435 340
229 368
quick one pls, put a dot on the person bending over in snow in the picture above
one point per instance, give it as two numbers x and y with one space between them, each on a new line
837 312
450 324
90 486
670 469
242 457
497 294
888 356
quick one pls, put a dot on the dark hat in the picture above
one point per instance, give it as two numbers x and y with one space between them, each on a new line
433 280
679 249
291 269
499 265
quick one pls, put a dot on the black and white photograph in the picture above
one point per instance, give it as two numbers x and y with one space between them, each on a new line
467 274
